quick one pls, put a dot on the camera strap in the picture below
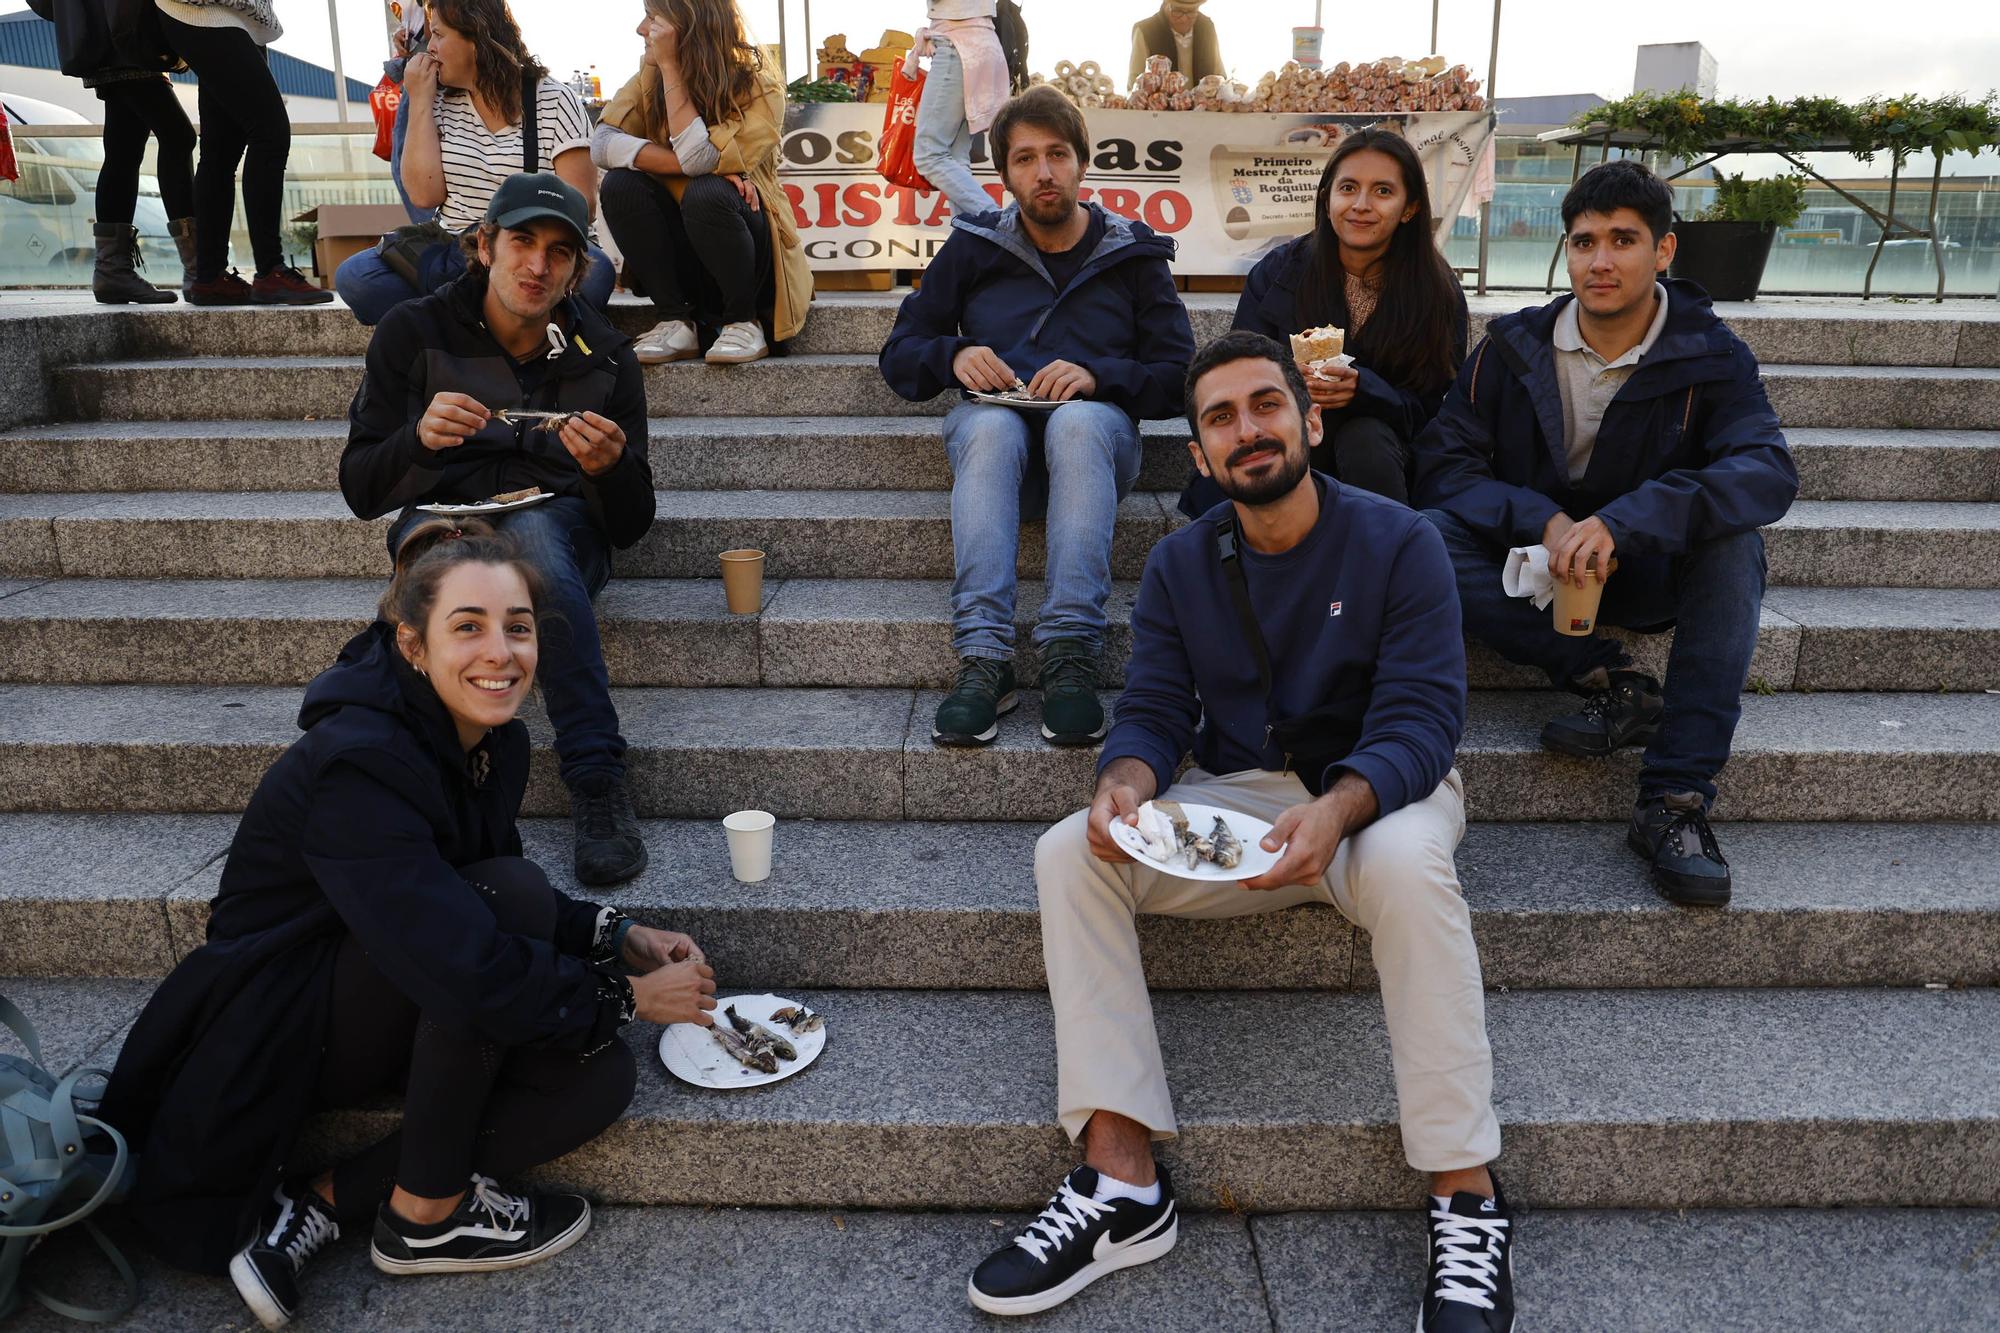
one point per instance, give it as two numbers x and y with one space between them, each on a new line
1226 539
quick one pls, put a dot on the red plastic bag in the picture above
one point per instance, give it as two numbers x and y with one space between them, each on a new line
897 163
8 170
383 101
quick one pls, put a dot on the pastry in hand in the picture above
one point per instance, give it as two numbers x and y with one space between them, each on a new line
1320 344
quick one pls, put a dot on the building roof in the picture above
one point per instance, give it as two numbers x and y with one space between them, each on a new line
29 42
1528 114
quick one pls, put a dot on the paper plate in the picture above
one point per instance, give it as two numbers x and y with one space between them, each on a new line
487 506
692 1056
1025 404
1250 832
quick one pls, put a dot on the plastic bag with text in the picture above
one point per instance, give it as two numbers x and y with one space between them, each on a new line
383 102
897 163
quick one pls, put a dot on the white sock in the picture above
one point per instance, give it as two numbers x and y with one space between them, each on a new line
1441 1203
1109 1188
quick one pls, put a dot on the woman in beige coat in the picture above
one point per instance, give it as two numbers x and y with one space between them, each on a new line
690 150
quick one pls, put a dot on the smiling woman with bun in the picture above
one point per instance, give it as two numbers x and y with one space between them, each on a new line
377 929
1369 267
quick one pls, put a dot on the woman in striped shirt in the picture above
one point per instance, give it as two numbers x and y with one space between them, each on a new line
467 119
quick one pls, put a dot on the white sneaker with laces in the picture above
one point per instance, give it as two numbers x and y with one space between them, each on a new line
668 340
737 343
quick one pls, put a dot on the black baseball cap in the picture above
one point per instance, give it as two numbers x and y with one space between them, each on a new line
525 196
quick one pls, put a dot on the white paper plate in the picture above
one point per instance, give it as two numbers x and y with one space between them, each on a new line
1250 832
488 506
1025 404
692 1056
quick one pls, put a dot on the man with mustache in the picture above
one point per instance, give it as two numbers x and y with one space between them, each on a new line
1076 306
426 426
1303 640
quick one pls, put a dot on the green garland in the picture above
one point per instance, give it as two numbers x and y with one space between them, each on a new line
1684 125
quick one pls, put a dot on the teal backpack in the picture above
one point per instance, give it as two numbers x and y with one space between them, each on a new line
49 1176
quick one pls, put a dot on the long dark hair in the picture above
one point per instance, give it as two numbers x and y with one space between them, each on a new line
718 61
1410 339
501 61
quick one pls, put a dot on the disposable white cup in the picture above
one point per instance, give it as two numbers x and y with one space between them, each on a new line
750 844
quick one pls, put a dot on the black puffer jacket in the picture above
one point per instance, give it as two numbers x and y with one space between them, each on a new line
440 343
357 829
103 41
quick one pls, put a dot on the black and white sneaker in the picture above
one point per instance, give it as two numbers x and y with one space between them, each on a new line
1470 1285
1075 1241
292 1229
490 1229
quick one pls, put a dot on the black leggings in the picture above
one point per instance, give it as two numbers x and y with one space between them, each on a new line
470 1105
705 256
241 109
134 108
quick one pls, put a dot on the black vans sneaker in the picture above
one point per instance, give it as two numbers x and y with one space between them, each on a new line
490 1229
292 1229
1071 713
1671 832
970 714
1073 1243
1469 1287
1620 708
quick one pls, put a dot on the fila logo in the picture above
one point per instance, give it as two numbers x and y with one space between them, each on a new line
1334 609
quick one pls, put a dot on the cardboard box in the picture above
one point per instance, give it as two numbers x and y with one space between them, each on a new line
346 230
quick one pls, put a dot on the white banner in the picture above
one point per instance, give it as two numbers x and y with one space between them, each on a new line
1227 187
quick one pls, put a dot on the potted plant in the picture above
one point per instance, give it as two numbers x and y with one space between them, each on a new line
1724 247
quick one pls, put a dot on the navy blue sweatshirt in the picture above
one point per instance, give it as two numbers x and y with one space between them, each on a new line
1364 610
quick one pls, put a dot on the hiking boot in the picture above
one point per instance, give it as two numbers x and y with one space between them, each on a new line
1071 713
1075 1241
1672 833
116 280
225 288
285 285
490 1229
609 848
182 230
293 1227
1620 708
1469 1284
737 343
970 714
668 340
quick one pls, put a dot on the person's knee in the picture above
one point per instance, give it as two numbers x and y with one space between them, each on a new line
992 438
1097 428
611 1077
624 194
1741 552
1407 887
1062 861
519 894
369 287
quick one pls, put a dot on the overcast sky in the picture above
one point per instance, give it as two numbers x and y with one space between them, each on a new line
1840 48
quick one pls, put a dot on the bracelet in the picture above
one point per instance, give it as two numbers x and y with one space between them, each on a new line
618 934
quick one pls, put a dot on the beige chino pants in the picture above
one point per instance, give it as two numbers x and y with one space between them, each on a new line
1394 879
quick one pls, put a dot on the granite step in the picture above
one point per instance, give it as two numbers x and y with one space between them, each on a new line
867 754
1607 1099
1777 331
952 906
834 453
195 388
857 1271
863 632
817 534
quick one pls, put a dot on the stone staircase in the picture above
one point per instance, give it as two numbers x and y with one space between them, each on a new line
175 562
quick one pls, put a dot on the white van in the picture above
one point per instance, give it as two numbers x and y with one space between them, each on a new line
46 215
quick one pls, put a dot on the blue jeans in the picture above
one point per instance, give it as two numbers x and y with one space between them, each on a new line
1710 596
1073 464
942 148
372 289
397 134
559 539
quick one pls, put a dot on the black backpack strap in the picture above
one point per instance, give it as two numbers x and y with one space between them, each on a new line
531 139
1226 539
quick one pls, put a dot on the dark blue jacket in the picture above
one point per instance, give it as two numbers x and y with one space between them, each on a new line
1362 613
1269 306
357 829
1688 451
1119 318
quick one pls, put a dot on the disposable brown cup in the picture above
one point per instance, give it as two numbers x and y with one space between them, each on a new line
1576 608
743 581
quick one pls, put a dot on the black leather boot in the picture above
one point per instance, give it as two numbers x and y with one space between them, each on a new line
1620 708
116 280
